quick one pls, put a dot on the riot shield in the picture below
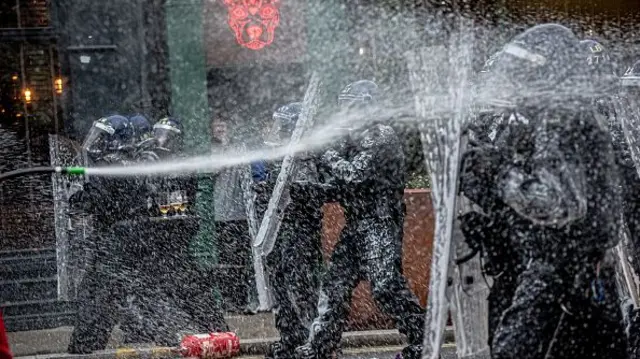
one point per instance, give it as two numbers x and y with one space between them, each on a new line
270 225
440 75
628 280
262 288
280 197
71 228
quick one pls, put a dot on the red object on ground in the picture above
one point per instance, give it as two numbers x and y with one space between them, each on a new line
209 346
5 353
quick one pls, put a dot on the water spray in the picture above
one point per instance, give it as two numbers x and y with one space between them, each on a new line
75 171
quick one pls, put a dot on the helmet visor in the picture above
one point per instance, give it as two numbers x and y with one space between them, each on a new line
280 132
97 138
167 136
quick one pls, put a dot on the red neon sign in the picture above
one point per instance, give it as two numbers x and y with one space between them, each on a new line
253 21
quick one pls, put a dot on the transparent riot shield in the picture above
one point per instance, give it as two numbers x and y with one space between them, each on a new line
270 225
628 280
256 252
440 82
71 228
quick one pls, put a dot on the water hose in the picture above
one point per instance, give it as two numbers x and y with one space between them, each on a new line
41 170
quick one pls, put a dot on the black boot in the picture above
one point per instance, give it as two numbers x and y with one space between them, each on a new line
412 352
279 351
306 352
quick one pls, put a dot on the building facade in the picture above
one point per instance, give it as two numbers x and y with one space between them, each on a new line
31 88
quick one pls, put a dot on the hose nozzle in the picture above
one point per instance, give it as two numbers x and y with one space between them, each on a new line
77 171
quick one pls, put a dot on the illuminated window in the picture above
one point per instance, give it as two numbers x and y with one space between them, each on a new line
58 85
27 96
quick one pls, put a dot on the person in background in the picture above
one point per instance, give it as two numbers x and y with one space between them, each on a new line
234 242
5 352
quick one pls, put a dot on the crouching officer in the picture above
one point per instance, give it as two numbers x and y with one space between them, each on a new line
110 200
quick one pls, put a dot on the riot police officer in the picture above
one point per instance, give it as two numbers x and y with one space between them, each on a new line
103 290
294 265
368 171
551 175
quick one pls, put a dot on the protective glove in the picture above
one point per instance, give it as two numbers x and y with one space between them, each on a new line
329 157
260 188
478 171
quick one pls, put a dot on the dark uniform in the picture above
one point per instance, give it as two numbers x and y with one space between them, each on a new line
114 202
553 168
295 264
369 175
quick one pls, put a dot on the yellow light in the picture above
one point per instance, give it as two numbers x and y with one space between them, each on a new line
58 85
27 95
14 77
18 115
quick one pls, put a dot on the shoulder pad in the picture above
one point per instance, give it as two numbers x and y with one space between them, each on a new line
380 135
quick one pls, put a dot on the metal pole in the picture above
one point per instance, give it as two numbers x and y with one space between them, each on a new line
143 62
24 102
18 13
53 90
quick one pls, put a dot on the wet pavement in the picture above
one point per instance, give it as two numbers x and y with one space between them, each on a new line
448 352
389 352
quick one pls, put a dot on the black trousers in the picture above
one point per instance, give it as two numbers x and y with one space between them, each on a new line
103 291
549 317
294 268
236 271
367 250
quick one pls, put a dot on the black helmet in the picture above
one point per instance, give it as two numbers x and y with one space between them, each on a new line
595 53
599 63
107 136
538 60
360 97
142 131
631 77
284 122
488 102
359 93
168 135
